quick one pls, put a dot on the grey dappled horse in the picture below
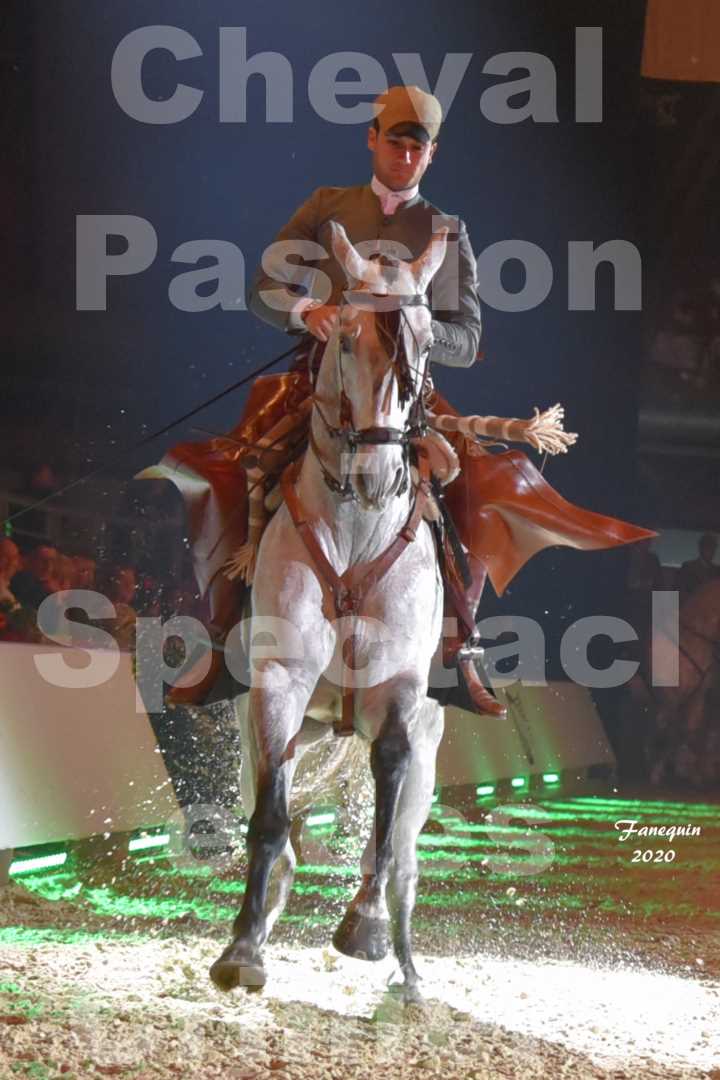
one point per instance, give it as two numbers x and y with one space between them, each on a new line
356 494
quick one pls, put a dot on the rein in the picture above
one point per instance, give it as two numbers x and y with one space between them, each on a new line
349 589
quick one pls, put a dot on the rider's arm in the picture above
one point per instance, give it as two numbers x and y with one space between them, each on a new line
286 279
456 323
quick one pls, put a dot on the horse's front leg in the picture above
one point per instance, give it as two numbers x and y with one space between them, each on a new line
387 721
277 708
413 810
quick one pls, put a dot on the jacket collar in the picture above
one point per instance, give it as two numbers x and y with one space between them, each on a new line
391 200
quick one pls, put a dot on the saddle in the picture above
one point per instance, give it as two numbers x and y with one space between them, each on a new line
503 509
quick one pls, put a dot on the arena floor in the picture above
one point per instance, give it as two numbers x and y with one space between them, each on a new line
545 949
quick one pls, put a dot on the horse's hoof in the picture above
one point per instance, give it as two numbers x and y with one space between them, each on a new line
406 993
362 937
237 966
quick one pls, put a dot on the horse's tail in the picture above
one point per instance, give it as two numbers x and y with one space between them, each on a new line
330 771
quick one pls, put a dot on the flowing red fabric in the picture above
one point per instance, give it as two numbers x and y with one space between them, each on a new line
503 508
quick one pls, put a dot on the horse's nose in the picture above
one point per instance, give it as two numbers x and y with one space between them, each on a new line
376 484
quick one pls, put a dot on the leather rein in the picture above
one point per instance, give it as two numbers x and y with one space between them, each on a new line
350 589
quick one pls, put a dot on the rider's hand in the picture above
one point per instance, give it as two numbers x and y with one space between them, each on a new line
321 320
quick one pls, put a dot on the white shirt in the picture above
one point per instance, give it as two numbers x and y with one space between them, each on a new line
389 201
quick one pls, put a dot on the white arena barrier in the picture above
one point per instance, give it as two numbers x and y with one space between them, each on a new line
75 763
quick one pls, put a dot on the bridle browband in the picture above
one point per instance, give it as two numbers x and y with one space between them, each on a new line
345 432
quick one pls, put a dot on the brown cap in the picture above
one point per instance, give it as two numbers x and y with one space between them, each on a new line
408 105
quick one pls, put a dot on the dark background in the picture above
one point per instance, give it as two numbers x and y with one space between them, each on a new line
77 385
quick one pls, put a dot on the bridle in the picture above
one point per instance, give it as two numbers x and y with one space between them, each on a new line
350 588
349 437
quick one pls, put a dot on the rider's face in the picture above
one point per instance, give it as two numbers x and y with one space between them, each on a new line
399 161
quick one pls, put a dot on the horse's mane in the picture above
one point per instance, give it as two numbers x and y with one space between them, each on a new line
389 324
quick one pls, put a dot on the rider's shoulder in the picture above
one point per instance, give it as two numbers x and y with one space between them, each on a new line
431 210
337 194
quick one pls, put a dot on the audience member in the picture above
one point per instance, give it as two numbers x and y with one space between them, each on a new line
17 623
678 345
9 566
64 574
644 577
37 580
696 572
41 481
85 572
121 586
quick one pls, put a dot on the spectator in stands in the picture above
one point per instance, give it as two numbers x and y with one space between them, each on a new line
678 346
121 585
37 580
712 329
9 566
644 577
41 481
85 572
64 573
17 623
696 572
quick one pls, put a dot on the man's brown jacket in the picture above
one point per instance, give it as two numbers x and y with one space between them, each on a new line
284 278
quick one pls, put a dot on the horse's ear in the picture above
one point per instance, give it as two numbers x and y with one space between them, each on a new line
426 265
356 268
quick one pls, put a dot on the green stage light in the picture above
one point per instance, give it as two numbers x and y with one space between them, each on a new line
41 862
518 782
551 778
142 843
485 789
321 819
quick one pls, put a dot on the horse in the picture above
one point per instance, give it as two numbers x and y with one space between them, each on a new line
347 577
684 740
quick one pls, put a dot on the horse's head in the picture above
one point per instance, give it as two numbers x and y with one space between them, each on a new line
373 370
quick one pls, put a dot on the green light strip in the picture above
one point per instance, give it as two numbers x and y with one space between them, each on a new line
141 843
518 781
708 808
485 789
551 778
642 809
321 819
42 862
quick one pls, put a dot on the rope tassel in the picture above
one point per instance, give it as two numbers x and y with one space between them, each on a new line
544 431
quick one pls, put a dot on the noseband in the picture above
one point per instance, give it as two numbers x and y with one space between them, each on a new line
350 437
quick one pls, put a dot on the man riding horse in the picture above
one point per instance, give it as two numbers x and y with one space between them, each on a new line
497 509
350 451
388 212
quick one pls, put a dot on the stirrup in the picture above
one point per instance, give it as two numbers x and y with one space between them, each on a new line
470 650
485 704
